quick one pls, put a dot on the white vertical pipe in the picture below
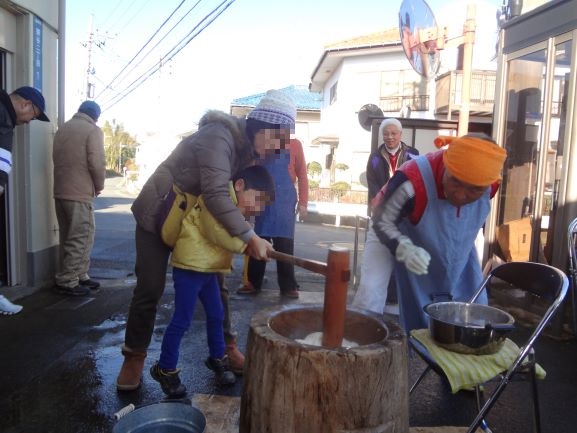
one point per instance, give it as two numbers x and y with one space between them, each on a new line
61 60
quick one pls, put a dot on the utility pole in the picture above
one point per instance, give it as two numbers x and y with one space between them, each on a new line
469 41
94 39
90 68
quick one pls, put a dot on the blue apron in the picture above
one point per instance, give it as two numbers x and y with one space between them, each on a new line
278 219
454 270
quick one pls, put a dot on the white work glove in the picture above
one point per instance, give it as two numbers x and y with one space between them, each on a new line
415 258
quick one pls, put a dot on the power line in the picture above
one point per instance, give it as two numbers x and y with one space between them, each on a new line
144 46
129 21
151 71
112 12
152 49
122 15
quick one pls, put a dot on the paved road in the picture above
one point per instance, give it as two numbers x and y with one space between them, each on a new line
60 356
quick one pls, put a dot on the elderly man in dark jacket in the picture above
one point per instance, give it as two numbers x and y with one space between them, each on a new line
203 163
79 173
390 155
18 108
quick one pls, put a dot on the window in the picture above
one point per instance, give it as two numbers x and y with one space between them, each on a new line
400 89
333 93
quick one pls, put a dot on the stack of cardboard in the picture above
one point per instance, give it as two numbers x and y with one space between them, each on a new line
514 238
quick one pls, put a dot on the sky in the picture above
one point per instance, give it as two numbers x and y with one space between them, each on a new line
252 46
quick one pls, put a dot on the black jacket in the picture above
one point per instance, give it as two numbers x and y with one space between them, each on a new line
7 124
378 167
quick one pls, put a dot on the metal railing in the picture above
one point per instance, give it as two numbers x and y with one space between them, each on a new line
356 273
396 103
329 195
449 89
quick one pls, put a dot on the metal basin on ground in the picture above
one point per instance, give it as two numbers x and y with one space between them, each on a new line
163 417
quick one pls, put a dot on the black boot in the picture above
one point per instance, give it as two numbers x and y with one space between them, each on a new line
169 381
221 367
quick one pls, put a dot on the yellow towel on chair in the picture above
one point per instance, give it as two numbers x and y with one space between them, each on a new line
466 371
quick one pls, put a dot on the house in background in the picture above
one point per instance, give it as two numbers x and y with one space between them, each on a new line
369 69
373 69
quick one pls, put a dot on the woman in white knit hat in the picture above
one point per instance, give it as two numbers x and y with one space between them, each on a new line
202 163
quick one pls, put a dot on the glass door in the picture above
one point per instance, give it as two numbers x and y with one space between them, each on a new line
555 146
522 131
534 129
3 198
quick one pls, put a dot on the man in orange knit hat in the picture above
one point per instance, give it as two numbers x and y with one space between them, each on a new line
429 214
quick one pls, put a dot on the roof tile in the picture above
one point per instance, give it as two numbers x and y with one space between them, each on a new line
303 98
377 38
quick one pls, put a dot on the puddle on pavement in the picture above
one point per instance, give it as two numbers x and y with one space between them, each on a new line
112 323
65 400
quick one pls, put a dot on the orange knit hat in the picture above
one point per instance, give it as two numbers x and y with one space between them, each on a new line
473 160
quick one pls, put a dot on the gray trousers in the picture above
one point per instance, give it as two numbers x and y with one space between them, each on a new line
151 266
76 229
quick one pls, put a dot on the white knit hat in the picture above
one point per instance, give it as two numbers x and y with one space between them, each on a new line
275 107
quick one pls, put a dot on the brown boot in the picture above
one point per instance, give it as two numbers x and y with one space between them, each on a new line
131 371
235 357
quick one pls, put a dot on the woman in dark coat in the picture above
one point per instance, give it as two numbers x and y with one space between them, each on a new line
203 163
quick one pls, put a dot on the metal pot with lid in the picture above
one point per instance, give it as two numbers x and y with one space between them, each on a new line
473 329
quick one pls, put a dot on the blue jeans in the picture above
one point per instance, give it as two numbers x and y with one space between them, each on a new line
188 285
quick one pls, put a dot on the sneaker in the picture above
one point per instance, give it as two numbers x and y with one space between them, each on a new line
72 291
221 367
8 308
169 381
91 284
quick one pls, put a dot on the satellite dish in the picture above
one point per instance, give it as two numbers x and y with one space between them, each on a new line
418 30
363 179
367 113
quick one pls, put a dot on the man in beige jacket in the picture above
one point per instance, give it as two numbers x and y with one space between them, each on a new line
79 172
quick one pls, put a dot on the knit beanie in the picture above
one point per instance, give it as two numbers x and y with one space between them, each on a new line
90 108
275 108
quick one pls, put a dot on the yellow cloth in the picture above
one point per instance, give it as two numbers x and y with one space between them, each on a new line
466 371
473 160
181 205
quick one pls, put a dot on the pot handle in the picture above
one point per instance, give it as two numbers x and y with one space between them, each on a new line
503 327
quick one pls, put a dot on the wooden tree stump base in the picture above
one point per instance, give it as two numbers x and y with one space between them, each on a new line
294 387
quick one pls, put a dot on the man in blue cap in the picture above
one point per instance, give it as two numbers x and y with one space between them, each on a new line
18 108
79 172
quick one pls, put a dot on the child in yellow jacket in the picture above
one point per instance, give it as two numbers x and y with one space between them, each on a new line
203 249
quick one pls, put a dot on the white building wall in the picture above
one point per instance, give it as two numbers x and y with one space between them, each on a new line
47 10
359 83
